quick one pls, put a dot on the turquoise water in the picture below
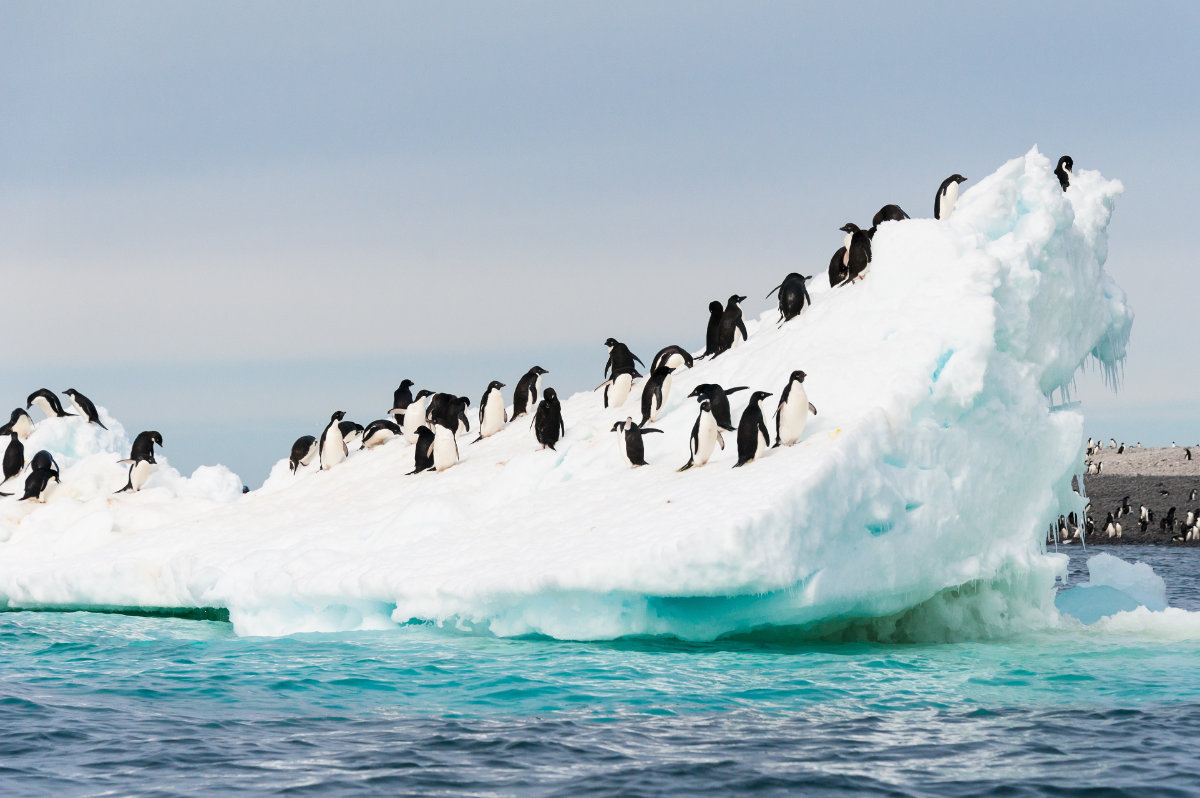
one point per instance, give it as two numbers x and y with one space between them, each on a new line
107 704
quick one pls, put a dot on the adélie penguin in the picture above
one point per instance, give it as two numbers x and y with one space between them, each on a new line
548 425
858 251
616 389
620 359
791 416
445 446
715 311
303 451
706 435
630 442
732 329
752 437
38 483
14 458
379 432
414 415
423 451
333 446
351 432
793 295
20 423
674 356
492 413
947 196
718 400
84 407
655 393
888 213
45 400
1063 171
401 399
141 460
525 396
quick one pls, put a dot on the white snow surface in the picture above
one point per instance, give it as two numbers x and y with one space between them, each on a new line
916 503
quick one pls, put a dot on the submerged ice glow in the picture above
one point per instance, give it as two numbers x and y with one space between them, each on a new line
916 502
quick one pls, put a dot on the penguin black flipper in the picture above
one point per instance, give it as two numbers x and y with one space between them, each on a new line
837 268
735 390
686 465
812 408
741 325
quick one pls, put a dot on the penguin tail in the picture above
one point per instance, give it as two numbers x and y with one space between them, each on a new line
685 466
775 445
477 440
128 486
740 463
649 429
100 424
2 494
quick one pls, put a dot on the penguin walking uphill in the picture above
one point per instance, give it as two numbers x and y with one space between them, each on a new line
752 436
445 445
619 373
630 442
332 448
793 296
548 425
423 450
45 400
303 451
674 356
14 458
1063 171
655 393
141 460
414 415
715 311
20 423
858 252
837 267
525 396
706 435
888 213
492 414
718 399
791 416
947 196
84 407
732 329
401 399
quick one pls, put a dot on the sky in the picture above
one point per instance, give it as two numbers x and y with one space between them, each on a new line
226 220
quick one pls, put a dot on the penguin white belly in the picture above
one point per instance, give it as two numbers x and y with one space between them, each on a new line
493 415
312 452
763 445
675 361
621 444
737 337
334 450
139 473
77 408
378 438
445 448
618 391
23 427
41 404
414 418
706 439
537 394
666 390
846 254
793 416
949 199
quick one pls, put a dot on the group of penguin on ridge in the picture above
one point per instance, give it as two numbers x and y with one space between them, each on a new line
431 420
43 470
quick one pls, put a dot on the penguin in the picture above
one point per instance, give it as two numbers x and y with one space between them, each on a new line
793 296
84 407
351 432
303 451
731 325
888 213
791 416
947 196
548 424
837 268
630 441
718 399
20 423
47 402
525 396
43 459
715 311
655 393
1063 171
616 389
858 251
37 483
379 432
445 446
464 423
674 356
333 447
414 415
492 413
401 399
753 437
14 458
620 359
450 411
423 451
141 460
705 435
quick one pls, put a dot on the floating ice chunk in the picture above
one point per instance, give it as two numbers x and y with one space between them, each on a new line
1113 586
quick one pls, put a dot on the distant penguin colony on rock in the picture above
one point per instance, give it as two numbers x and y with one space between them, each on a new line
630 442
548 426
1063 171
947 197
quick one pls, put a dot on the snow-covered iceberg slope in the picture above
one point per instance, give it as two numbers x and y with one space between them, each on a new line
916 503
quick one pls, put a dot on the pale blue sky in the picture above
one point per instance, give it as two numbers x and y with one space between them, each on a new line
222 220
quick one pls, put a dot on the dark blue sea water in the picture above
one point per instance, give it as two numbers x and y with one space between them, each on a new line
115 705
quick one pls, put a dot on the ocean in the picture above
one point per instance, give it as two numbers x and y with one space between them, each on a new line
96 704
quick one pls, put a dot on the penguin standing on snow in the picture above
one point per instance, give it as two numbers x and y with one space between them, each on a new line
791 416
837 268
858 251
141 460
715 311
674 356
620 359
888 213
84 407
20 423
492 414
947 196
47 402
333 446
14 458
380 432
1063 171
303 451
38 482
706 435
732 329
401 399
445 446
718 399
423 451
525 396
414 415
793 295
351 432
655 393
753 437
548 424
630 441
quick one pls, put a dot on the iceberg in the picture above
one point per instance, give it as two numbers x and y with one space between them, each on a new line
915 505
1113 586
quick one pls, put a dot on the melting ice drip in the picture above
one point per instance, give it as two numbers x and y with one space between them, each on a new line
918 498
